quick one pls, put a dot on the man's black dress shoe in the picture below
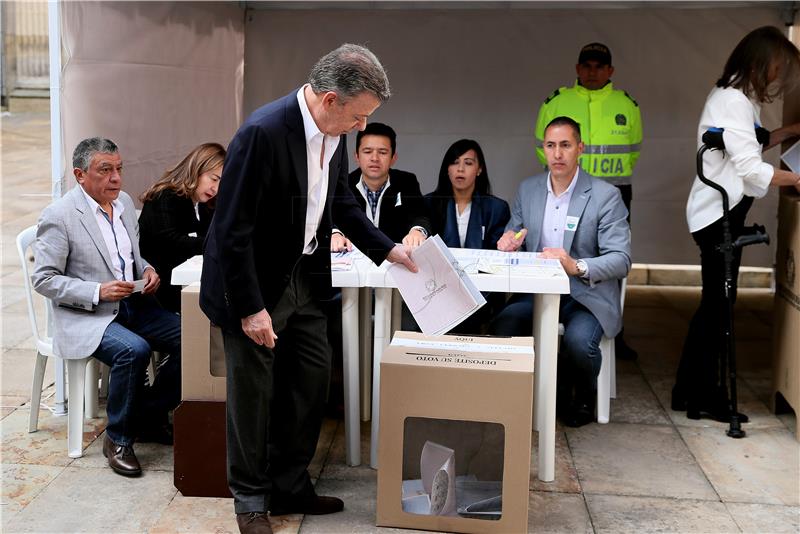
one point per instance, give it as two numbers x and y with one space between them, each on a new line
678 403
622 350
253 523
157 434
121 458
311 505
580 415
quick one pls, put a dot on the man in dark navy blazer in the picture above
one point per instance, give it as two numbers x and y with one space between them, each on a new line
267 267
391 198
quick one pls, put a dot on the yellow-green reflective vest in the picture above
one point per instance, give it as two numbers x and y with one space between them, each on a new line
611 129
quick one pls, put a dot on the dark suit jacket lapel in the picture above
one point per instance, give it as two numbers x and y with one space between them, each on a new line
474 237
296 140
450 236
580 197
89 222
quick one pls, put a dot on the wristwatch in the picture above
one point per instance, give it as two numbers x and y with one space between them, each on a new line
421 230
581 266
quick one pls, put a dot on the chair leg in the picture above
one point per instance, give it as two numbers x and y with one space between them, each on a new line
612 366
36 391
61 397
604 381
105 372
76 378
90 393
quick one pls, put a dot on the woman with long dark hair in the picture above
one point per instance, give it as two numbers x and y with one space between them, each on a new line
465 214
462 209
762 67
176 213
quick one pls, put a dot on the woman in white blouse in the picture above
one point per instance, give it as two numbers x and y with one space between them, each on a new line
762 67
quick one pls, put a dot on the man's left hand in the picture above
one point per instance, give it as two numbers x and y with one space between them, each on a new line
152 281
399 254
414 238
569 264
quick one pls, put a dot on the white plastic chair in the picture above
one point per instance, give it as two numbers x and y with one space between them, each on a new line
79 389
607 379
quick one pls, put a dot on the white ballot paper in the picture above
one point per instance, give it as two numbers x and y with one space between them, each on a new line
435 494
792 157
441 295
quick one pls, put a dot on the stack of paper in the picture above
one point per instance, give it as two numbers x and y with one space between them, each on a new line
440 295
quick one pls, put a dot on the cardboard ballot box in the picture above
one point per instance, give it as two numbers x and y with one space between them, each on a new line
199 420
786 348
202 354
455 433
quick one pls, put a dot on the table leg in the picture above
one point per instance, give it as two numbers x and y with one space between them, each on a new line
352 428
397 310
365 349
383 307
545 343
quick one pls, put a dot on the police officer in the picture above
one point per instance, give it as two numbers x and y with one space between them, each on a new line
611 128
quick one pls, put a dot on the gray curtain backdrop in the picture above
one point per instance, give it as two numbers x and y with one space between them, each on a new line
162 77
159 78
483 73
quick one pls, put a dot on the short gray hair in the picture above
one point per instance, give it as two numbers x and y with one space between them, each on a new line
88 148
349 71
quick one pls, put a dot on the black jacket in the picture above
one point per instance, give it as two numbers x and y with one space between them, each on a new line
256 236
400 206
165 225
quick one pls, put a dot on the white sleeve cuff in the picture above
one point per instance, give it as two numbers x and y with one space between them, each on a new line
96 297
422 230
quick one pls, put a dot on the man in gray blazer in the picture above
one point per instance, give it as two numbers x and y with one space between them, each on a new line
86 259
580 220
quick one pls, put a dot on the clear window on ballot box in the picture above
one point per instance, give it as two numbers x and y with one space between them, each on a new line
453 468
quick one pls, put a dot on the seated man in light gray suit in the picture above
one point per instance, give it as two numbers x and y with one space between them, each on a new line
580 220
86 259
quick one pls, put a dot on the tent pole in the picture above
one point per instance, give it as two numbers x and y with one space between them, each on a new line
56 167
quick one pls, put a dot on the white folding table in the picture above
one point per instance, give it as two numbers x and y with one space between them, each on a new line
546 292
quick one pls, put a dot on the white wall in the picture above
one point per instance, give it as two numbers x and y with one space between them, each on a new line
483 73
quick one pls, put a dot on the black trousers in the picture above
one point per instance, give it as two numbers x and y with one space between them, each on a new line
698 379
275 400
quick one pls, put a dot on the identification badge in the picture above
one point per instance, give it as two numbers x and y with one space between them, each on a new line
572 223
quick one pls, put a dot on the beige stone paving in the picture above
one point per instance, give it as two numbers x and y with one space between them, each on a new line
650 470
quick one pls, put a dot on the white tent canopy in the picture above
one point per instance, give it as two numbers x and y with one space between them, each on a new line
160 78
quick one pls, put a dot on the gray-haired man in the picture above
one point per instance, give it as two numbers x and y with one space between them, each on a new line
86 261
266 268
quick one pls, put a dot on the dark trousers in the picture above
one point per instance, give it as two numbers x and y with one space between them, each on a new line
579 356
627 195
698 379
276 400
139 328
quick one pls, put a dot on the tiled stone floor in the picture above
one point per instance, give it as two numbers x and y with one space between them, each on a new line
649 470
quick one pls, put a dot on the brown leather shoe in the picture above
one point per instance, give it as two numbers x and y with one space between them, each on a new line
121 458
253 523
313 505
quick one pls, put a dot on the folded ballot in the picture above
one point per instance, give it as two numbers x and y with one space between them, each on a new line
441 295
435 493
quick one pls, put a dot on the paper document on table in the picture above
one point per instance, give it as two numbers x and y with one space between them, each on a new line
441 295
343 260
792 157
537 268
